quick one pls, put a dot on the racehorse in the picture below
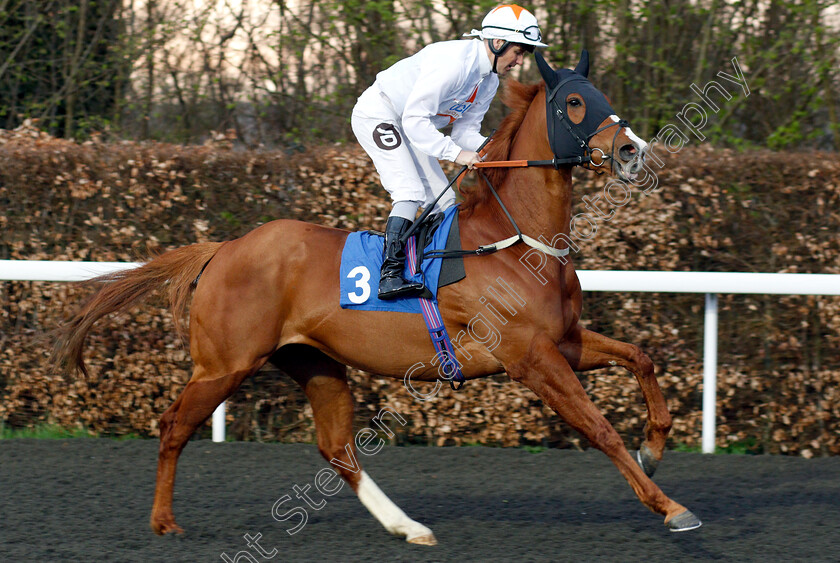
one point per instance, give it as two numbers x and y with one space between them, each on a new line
273 296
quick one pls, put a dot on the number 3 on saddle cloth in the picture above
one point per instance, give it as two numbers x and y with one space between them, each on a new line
361 261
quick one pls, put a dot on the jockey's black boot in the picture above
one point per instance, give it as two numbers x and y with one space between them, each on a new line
391 282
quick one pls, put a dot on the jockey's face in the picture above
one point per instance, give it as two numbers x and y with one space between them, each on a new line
510 59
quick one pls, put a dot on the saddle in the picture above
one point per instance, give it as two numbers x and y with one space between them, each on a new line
361 261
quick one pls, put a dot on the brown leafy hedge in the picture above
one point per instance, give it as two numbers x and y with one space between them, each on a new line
716 210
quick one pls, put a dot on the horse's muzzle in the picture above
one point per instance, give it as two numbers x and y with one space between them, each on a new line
632 158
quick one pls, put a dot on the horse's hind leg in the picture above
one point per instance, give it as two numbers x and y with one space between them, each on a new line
325 383
193 406
545 371
587 350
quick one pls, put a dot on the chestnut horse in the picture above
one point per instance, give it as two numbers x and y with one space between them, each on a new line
273 296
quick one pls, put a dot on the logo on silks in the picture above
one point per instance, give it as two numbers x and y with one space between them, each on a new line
386 136
456 111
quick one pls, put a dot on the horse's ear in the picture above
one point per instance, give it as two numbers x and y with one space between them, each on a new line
546 71
582 67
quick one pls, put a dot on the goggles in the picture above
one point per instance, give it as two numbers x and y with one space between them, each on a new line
531 33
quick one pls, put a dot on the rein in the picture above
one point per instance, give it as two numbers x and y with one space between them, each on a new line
574 134
555 162
486 249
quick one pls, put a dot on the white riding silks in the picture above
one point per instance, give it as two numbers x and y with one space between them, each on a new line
397 119
426 91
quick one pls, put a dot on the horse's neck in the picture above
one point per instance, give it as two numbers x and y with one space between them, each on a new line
539 198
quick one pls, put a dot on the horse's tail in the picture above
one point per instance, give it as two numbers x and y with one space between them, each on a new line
119 290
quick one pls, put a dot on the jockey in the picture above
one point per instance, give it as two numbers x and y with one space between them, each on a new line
397 121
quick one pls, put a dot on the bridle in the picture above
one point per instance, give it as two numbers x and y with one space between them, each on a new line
569 144
578 152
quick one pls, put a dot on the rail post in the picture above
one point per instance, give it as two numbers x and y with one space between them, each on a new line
710 373
219 423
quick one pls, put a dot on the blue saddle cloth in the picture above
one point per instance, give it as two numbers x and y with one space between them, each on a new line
361 262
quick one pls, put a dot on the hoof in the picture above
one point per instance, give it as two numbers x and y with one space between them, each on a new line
168 528
684 522
428 539
645 459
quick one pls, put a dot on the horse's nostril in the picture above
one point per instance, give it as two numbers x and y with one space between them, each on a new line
627 152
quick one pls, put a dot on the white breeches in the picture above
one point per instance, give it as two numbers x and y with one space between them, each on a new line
406 173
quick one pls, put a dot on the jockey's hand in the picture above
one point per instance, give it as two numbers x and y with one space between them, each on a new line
468 159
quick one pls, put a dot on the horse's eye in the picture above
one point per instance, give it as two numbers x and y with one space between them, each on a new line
574 102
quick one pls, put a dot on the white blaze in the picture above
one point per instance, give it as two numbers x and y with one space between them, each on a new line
641 146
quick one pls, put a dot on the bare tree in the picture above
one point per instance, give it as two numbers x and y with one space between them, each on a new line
280 72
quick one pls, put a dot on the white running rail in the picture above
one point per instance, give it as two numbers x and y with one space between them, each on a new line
709 283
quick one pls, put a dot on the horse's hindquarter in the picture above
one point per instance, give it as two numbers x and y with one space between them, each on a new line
246 298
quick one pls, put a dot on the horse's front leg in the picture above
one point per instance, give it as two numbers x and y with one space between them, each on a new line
545 371
586 350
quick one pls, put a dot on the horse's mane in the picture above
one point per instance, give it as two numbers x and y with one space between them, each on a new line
518 98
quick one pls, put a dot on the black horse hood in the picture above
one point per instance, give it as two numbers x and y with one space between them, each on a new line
559 84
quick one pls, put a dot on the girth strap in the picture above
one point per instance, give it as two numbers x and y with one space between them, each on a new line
532 242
